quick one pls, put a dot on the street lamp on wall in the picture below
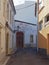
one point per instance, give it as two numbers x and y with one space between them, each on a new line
18 27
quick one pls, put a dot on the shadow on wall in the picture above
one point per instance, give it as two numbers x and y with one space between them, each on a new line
42 44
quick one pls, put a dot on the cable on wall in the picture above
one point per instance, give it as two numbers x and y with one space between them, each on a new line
25 7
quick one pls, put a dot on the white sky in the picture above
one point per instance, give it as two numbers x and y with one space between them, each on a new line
17 2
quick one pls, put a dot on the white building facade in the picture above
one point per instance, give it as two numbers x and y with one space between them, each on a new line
10 28
26 12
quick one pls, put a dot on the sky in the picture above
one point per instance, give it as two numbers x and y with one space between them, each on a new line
17 2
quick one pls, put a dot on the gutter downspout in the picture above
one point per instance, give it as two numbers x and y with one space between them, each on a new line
37 22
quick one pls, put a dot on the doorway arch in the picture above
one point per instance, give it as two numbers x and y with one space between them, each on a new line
19 39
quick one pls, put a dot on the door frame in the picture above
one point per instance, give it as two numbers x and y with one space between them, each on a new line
47 44
7 41
0 41
22 39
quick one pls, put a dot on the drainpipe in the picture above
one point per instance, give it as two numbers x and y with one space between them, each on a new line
37 22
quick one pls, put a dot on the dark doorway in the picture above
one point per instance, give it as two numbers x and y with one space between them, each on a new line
48 44
19 39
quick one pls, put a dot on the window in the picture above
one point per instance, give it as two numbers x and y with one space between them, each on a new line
8 11
47 18
35 9
10 16
31 38
40 25
0 4
4 8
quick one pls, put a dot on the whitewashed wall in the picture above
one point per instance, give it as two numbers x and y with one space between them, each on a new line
27 15
12 44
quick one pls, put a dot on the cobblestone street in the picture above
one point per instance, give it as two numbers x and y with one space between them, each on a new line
28 57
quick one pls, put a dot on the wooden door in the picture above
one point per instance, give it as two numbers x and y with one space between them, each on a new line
19 39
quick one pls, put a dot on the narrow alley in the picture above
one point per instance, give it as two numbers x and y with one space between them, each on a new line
28 56
24 32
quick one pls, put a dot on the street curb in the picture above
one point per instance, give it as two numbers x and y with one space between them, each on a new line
6 61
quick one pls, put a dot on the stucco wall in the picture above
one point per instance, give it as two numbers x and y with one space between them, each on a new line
42 35
4 30
27 15
43 39
45 10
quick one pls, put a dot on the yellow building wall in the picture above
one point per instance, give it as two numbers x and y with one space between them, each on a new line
42 34
4 31
48 44
2 25
45 10
3 42
2 13
42 39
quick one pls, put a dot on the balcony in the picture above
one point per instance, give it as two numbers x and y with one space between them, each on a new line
46 24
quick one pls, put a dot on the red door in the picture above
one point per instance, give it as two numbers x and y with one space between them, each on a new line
19 39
